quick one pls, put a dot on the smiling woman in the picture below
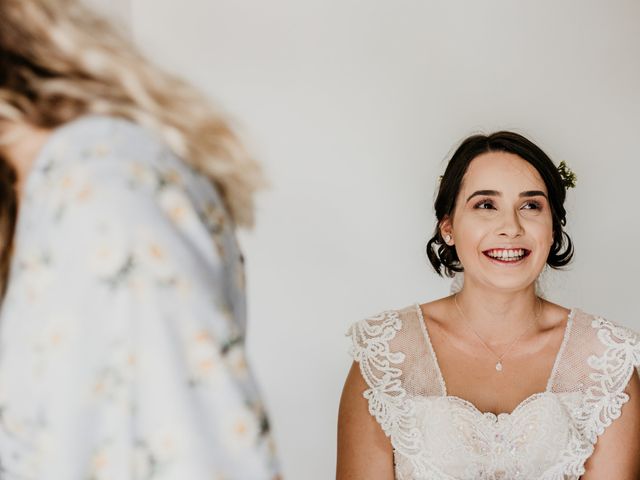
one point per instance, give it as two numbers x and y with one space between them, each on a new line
494 381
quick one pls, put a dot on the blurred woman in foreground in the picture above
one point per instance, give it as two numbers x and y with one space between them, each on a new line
123 318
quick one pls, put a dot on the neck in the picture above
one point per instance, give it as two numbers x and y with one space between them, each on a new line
498 316
21 145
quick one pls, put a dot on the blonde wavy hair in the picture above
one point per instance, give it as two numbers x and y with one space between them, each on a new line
60 60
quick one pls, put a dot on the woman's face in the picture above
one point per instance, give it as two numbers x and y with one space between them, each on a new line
501 211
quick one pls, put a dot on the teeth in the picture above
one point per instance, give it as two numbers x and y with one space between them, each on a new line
506 254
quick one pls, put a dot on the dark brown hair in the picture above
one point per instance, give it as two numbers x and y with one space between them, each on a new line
443 257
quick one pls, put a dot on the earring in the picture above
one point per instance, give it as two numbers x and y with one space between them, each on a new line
447 239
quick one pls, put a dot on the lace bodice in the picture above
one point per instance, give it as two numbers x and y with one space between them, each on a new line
548 436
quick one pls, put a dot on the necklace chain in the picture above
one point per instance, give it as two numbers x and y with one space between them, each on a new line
499 357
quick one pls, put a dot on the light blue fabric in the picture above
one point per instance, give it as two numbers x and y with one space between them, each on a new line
122 331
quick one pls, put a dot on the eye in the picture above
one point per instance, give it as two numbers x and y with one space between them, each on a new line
533 205
482 205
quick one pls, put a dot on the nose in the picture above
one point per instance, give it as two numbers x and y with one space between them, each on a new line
511 225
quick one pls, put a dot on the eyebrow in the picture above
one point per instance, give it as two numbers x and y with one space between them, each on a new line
496 193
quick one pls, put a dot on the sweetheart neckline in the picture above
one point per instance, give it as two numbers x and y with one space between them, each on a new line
547 390
496 417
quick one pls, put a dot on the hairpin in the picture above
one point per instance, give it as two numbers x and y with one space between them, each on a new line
568 176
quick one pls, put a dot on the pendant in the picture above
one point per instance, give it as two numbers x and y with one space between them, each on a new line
499 366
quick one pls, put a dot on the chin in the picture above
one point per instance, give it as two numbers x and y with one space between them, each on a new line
513 284
508 283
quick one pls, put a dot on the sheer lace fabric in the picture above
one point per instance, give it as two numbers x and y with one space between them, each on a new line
548 436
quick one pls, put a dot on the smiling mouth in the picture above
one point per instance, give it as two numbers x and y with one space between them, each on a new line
507 256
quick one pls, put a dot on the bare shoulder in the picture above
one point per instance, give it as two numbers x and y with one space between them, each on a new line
554 316
437 311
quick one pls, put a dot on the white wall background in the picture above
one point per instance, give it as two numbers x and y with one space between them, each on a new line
353 106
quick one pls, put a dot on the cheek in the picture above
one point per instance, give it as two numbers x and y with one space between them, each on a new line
541 228
469 232
469 237
544 236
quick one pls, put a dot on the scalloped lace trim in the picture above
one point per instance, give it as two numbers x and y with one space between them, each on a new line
388 400
602 403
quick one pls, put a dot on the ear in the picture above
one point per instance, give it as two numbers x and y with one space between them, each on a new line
446 228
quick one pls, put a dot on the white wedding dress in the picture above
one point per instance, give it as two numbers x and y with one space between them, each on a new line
548 436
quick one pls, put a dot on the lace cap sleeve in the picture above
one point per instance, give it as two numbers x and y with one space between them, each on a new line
373 342
610 372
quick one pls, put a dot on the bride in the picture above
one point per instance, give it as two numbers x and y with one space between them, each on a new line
494 381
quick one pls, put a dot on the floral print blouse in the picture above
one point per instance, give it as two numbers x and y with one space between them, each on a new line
121 333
